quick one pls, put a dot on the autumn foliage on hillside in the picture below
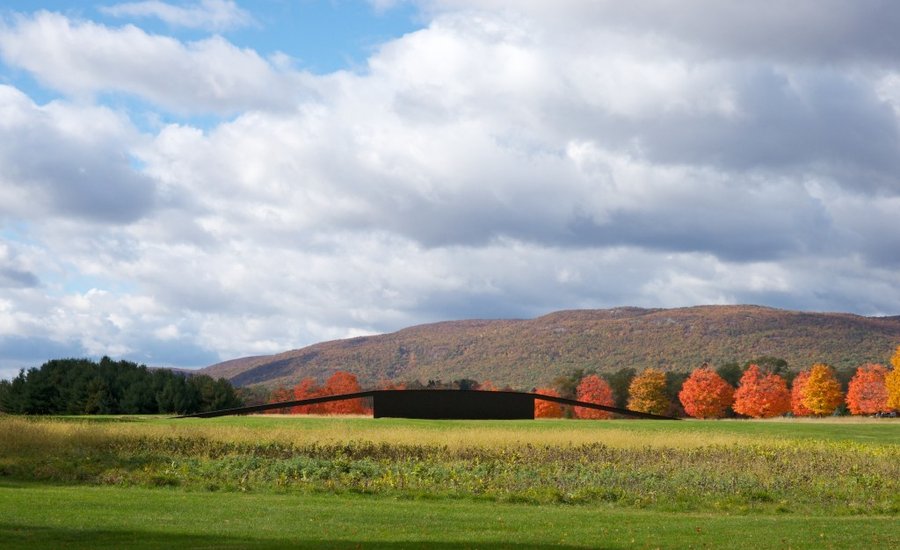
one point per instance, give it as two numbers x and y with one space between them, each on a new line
647 392
547 409
823 392
705 394
533 352
761 395
594 389
867 392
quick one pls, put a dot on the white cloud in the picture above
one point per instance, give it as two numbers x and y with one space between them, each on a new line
68 161
497 163
83 59
816 31
212 15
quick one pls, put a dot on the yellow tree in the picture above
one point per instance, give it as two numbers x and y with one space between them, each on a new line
892 382
647 392
823 391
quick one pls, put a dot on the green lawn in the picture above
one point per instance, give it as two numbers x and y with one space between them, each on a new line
42 516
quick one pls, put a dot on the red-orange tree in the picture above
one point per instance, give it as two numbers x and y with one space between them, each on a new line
798 390
647 392
867 392
594 389
823 391
342 382
547 409
307 389
761 395
705 394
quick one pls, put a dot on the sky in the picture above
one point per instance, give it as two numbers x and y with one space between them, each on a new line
188 182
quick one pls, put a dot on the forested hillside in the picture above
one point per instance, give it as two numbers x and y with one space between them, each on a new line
526 353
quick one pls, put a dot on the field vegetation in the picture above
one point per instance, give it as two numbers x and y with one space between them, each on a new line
307 481
835 468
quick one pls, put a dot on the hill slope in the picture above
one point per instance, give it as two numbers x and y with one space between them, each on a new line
525 353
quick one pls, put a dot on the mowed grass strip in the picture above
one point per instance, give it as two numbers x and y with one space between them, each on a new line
41 516
531 462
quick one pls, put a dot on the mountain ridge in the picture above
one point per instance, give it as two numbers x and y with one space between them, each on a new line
528 352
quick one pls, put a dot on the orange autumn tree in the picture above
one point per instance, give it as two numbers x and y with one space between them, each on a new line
342 382
823 391
892 382
761 395
594 389
307 389
647 392
798 390
867 392
705 394
547 409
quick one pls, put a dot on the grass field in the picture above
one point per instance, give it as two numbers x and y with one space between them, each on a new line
276 481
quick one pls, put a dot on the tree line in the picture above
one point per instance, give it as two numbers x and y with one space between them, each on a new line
84 386
760 391
762 388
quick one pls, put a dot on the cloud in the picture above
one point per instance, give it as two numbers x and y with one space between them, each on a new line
806 31
56 160
506 160
13 274
211 15
83 58
17 278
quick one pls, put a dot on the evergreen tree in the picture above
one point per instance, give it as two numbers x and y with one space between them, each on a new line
82 386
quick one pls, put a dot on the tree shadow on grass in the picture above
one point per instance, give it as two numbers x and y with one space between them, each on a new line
27 536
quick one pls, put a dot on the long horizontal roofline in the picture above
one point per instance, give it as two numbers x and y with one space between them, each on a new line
371 393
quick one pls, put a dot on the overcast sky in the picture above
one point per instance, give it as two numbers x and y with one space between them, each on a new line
188 182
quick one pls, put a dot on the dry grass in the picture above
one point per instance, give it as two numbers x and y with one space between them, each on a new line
41 435
37 436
